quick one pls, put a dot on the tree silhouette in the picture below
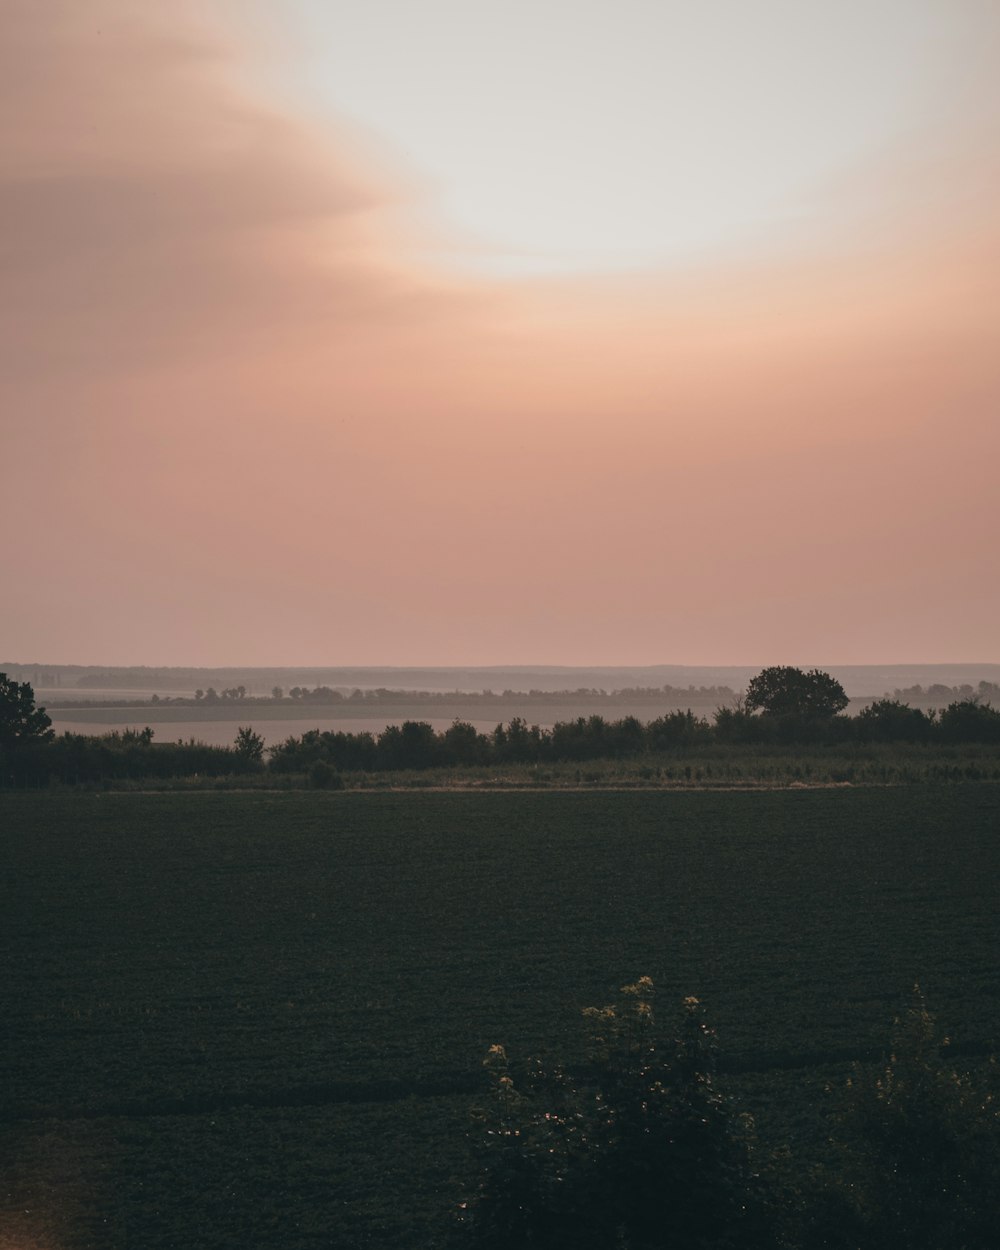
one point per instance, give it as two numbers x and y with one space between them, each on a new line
20 721
787 691
249 747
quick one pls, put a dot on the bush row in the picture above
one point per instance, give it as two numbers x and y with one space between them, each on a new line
416 745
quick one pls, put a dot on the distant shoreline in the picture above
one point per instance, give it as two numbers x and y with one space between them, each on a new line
53 682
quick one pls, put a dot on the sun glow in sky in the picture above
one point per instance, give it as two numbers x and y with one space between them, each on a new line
579 135
460 333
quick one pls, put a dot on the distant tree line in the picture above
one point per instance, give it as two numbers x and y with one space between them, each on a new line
381 695
985 691
211 695
782 707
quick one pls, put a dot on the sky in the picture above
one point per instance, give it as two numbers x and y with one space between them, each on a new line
480 333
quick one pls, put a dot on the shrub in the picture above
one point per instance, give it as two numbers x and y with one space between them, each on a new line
249 749
323 776
917 1154
968 720
888 720
636 1150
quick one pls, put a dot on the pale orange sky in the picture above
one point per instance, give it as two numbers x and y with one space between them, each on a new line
251 414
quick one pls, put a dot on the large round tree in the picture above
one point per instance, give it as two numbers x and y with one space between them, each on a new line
786 691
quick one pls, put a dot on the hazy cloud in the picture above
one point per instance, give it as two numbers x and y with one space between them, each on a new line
147 207
240 426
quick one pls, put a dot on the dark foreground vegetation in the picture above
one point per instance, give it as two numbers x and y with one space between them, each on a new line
783 711
638 1148
260 1019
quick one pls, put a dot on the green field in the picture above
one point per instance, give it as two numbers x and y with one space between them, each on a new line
258 1019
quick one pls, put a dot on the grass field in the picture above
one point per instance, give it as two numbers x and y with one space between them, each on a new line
700 767
258 1019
